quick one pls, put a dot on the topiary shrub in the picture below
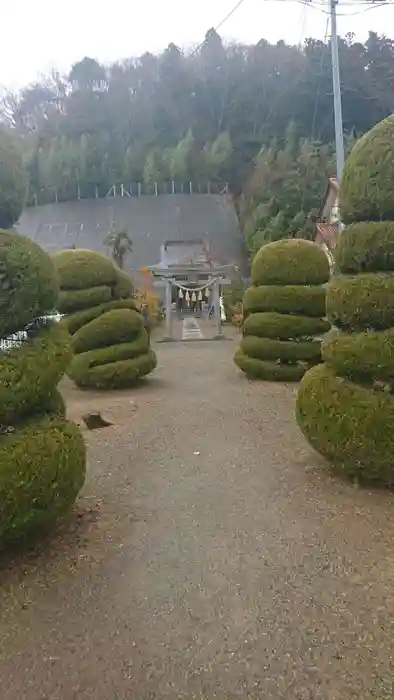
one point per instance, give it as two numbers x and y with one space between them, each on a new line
13 178
23 261
368 176
284 311
109 341
42 456
345 407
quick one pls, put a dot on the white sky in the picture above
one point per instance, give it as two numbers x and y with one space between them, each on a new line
37 35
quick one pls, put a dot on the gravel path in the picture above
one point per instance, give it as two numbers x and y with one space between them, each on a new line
212 556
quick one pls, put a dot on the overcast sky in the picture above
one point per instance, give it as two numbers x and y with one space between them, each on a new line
37 36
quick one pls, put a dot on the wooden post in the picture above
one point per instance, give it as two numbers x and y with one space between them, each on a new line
168 309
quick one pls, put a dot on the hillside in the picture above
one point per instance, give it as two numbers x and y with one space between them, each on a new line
259 117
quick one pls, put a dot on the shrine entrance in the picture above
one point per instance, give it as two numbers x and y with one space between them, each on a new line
190 283
193 306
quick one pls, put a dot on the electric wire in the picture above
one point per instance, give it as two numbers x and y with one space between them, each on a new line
220 24
316 105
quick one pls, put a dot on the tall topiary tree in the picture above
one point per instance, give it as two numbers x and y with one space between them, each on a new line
13 179
284 311
345 407
111 346
42 456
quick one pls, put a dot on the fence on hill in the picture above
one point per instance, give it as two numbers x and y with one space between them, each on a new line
69 193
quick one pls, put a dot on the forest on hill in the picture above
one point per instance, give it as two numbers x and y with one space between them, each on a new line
259 117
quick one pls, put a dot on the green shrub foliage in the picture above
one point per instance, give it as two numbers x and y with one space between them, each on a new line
42 456
284 311
13 179
345 407
83 269
368 176
28 283
109 341
291 261
289 299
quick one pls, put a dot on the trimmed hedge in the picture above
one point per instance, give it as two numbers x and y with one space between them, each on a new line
29 286
284 326
366 247
111 353
282 323
368 176
75 321
109 341
305 301
367 356
29 372
281 350
80 299
115 374
364 301
42 469
268 371
81 269
42 456
350 425
290 261
116 326
124 288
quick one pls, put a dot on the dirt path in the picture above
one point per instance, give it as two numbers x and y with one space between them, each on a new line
212 557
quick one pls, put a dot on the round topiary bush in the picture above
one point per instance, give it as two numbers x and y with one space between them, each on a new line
291 261
345 407
284 311
29 286
366 186
42 456
110 344
83 269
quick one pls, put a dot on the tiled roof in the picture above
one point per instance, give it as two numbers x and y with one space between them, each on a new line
184 253
329 234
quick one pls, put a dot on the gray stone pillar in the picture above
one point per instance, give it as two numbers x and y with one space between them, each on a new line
216 306
168 310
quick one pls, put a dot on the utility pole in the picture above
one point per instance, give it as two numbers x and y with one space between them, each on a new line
336 84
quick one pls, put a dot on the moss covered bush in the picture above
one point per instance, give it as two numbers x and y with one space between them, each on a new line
110 344
345 407
284 311
42 455
367 179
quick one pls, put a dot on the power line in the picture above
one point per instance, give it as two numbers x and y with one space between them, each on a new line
222 21
229 14
315 5
317 98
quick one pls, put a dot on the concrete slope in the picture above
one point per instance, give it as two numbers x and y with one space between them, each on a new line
151 221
